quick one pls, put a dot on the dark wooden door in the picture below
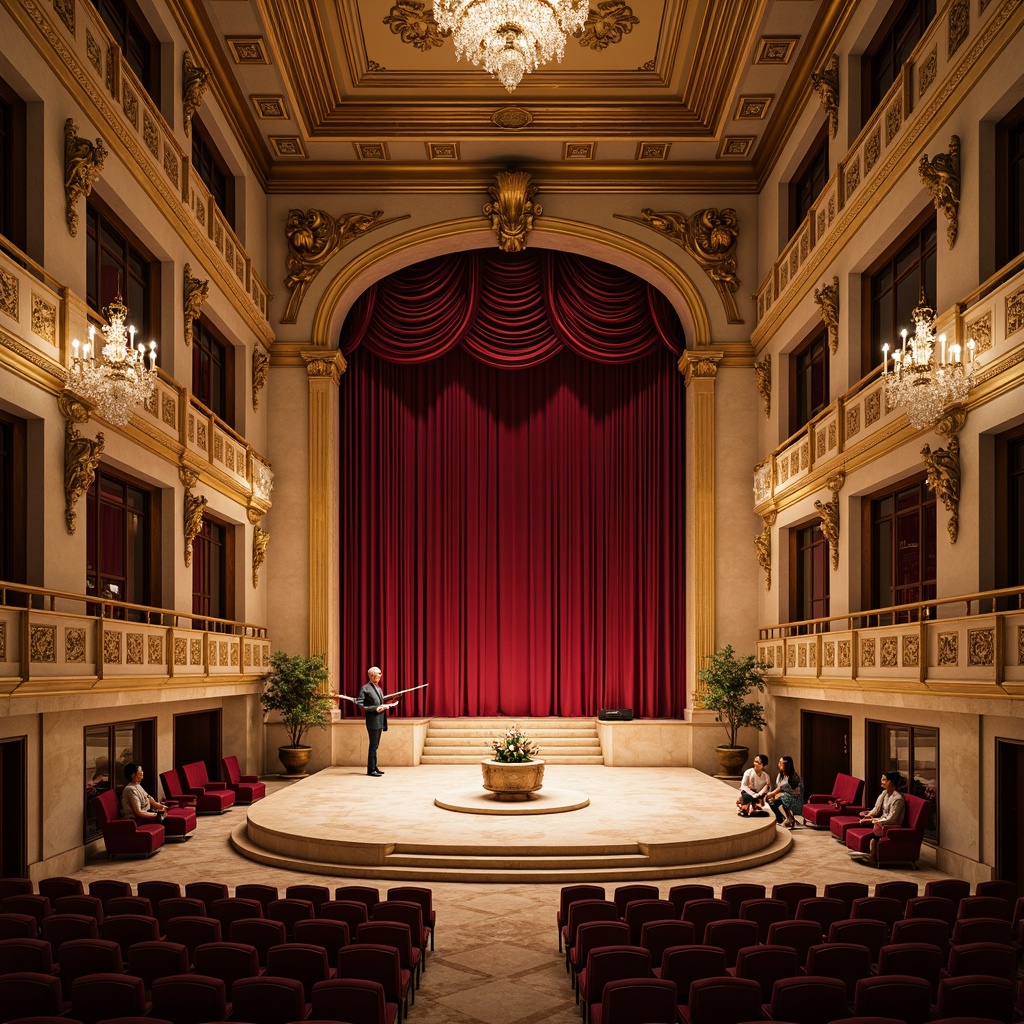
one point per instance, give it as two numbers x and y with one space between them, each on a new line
13 818
197 737
1009 822
824 750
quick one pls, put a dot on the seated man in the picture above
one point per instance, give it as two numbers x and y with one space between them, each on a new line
135 801
889 807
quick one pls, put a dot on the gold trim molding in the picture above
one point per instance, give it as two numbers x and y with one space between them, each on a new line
941 176
83 162
512 210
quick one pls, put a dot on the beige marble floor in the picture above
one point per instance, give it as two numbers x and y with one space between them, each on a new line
497 959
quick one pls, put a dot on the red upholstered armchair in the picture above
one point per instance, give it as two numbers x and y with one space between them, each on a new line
247 788
198 783
820 808
899 844
124 835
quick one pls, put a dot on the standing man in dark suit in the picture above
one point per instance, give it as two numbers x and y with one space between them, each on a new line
371 699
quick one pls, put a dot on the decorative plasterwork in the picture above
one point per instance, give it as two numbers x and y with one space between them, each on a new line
826 85
194 80
195 507
512 210
196 292
763 543
260 368
247 49
827 298
828 511
941 176
763 370
775 49
442 150
314 237
413 22
709 236
83 161
330 365
511 118
578 150
606 26
736 146
81 457
753 108
270 108
260 540
653 150
288 146
943 466
371 150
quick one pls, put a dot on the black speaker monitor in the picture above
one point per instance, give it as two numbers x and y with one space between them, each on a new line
615 714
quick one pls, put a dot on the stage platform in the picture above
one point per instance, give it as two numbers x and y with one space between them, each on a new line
640 823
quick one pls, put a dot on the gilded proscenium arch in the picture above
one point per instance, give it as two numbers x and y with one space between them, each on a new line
403 250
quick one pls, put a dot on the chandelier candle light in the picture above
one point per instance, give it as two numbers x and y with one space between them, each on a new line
923 384
121 381
510 38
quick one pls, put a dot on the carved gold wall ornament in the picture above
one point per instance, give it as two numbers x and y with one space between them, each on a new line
414 25
196 292
260 540
709 236
826 85
763 544
83 161
260 369
195 507
314 237
512 209
827 298
952 421
763 370
828 511
81 457
941 176
943 467
607 25
194 80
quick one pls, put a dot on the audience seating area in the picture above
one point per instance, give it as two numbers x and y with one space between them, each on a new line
260 956
636 955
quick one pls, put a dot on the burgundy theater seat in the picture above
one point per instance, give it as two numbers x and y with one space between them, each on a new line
197 783
821 808
247 788
124 835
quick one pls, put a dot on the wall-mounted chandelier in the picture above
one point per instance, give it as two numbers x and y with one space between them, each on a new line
510 38
923 380
120 380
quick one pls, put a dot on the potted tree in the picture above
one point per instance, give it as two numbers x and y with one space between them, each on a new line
293 689
728 681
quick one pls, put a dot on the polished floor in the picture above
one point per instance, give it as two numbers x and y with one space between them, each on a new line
497 959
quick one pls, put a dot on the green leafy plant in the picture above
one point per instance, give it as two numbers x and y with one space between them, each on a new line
293 689
515 747
728 681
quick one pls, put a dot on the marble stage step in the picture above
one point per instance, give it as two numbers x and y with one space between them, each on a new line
467 740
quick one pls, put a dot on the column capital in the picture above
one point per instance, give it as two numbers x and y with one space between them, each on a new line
699 364
324 363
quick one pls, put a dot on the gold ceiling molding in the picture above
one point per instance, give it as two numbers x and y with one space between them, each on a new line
434 239
512 210
827 299
943 469
828 512
710 237
941 176
196 291
314 238
194 81
763 372
763 545
81 457
260 368
826 85
195 507
83 161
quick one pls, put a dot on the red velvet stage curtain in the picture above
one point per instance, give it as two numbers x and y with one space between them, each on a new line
515 538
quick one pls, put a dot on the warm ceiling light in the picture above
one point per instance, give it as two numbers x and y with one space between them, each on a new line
510 38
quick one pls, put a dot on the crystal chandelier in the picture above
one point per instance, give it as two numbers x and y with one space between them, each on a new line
120 381
510 38
921 383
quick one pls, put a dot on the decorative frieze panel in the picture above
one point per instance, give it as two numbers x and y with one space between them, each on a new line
180 651
74 645
3 641
890 651
949 649
981 647
828 654
156 650
867 653
134 649
42 644
911 650
195 651
844 654
111 647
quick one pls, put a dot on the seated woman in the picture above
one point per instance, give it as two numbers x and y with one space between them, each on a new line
890 806
754 787
786 799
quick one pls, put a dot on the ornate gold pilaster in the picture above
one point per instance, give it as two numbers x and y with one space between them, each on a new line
763 543
81 457
196 292
195 507
941 176
194 80
828 511
827 298
700 369
83 162
260 367
943 466
260 540
323 369
826 85
763 371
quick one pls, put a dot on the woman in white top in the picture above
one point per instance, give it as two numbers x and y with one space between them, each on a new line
754 787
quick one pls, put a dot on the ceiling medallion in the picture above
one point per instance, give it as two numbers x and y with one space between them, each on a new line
511 118
510 38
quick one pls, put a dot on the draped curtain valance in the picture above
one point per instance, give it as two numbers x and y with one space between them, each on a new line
512 310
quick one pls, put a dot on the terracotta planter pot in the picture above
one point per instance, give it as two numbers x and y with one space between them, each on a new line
294 759
732 759
513 781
